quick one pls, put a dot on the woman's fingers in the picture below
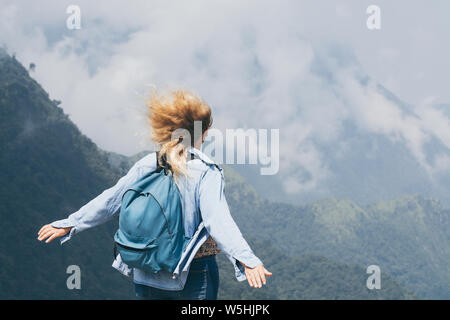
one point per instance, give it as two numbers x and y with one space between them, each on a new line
263 272
262 276
254 278
52 237
251 279
258 278
49 231
267 272
45 235
43 229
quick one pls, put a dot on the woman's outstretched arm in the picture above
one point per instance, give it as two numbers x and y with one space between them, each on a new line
95 212
223 229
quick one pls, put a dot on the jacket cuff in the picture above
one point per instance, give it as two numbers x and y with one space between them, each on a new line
239 269
65 223
251 262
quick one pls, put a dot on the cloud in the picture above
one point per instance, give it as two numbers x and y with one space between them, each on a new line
258 64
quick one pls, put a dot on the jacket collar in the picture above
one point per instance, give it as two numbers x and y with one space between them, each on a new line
201 155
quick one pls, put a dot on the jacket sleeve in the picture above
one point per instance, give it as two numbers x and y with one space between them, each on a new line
220 224
100 209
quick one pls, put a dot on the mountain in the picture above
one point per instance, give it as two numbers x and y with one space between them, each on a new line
372 168
407 237
308 277
382 155
122 163
49 169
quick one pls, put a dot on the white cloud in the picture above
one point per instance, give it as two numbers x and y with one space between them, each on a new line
254 62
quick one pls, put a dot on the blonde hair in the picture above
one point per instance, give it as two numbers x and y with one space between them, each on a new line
170 112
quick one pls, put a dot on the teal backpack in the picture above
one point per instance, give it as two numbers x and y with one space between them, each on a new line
151 230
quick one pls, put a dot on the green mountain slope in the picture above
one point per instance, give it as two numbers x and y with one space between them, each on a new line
49 169
307 277
407 237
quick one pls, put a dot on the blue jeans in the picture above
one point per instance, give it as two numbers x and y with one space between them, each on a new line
202 283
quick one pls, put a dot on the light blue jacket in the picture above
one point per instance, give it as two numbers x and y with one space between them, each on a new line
205 212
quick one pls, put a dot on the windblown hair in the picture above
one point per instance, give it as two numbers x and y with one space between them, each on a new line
171 113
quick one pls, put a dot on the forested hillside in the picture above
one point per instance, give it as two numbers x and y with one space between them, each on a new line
48 169
407 237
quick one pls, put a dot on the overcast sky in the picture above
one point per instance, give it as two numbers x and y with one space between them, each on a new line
291 65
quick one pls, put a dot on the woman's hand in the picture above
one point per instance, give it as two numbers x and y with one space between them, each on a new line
256 276
51 233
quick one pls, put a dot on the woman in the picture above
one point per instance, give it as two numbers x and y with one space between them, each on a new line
207 220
